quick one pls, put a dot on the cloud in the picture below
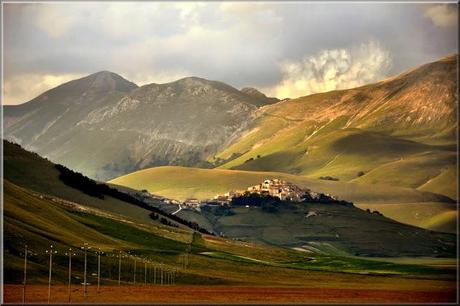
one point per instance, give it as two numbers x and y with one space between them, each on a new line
26 87
442 15
239 43
334 69
56 21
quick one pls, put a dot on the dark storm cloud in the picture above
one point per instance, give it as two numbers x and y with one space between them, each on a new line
283 48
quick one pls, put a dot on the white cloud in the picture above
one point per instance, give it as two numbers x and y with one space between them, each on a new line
442 15
333 69
26 87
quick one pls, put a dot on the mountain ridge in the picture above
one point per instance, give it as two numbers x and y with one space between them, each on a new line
405 122
180 122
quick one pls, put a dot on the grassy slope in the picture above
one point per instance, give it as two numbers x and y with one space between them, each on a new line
31 171
400 131
335 227
40 222
181 183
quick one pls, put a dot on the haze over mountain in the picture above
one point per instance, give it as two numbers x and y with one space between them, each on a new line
105 126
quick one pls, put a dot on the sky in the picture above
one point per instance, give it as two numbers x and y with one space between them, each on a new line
286 50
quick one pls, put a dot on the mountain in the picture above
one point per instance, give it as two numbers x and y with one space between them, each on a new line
62 107
400 132
260 99
104 126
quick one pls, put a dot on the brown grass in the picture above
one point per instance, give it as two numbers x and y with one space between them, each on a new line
226 294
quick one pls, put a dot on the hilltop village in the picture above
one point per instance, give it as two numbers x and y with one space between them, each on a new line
274 188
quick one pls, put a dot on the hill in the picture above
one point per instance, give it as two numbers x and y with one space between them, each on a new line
178 123
421 208
40 210
38 221
400 132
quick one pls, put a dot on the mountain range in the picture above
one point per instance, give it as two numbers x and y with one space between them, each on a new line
105 126
396 137
400 131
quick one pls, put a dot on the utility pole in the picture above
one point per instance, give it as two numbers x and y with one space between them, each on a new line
25 276
119 268
85 248
99 270
151 272
154 274
135 260
161 273
69 253
145 272
50 252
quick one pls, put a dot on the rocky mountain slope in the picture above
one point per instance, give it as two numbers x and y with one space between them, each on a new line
400 132
105 126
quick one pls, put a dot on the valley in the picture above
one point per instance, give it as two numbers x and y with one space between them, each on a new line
378 163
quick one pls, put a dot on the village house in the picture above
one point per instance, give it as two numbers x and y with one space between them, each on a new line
192 203
281 189
278 188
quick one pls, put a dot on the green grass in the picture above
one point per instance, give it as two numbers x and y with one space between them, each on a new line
181 183
431 215
367 129
38 221
346 229
31 171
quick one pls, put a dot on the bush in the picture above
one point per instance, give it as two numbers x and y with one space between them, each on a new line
328 178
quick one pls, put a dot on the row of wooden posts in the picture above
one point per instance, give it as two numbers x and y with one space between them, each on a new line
161 275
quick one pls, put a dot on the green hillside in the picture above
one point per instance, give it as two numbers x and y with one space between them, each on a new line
399 132
40 210
38 221
430 215
331 228
181 183
31 171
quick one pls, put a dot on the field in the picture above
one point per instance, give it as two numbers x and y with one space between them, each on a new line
181 183
428 292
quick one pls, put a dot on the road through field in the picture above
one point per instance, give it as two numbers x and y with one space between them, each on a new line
225 294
